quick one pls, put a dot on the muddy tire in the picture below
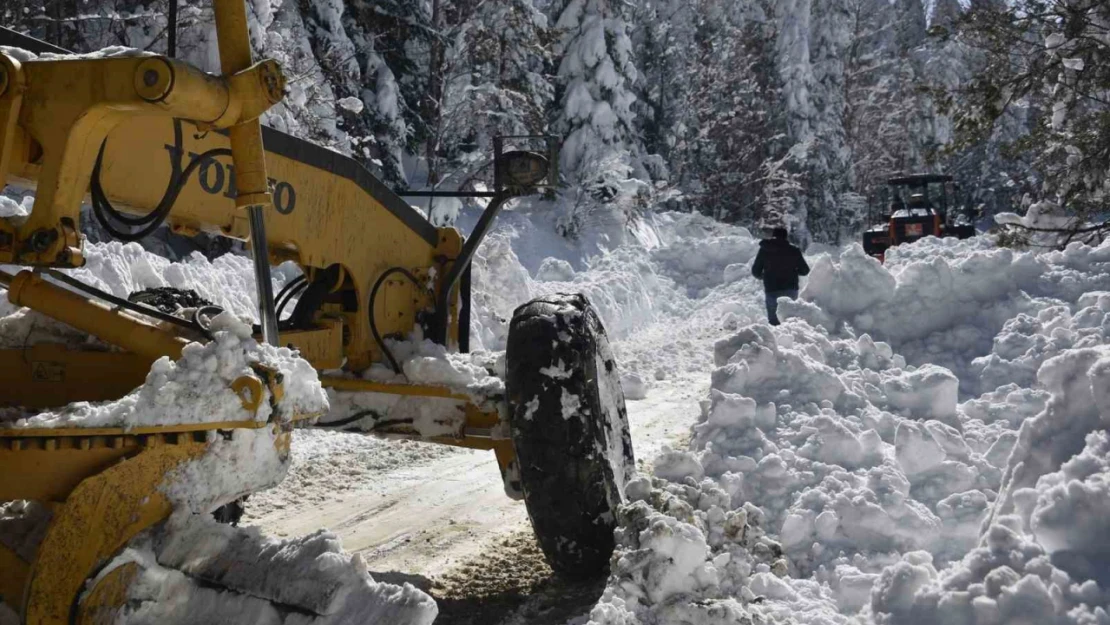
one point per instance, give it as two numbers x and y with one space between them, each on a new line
570 430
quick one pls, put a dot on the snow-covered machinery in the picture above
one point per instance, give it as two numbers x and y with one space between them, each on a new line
152 142
919 207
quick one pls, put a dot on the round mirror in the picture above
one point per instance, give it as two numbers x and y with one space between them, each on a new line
523 169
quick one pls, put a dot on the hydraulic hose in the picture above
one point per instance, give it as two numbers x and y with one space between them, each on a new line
105 213
373 323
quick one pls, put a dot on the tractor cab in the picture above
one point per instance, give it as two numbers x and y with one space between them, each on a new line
919 207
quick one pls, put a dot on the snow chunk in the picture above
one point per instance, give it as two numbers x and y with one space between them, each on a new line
350 104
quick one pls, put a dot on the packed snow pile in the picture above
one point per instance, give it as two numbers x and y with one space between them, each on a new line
923 442
685 266
125 268
192 569
964 305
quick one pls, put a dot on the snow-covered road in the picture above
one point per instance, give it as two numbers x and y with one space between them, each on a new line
421 512
426 509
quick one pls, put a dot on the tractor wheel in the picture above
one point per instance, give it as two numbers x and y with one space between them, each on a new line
570 430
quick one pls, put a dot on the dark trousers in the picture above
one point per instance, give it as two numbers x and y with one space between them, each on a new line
773 303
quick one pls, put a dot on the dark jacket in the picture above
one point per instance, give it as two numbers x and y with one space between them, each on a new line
779 264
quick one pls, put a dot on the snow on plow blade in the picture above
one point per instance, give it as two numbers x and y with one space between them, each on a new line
109 513
196 571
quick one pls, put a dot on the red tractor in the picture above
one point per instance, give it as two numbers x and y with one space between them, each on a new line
919 207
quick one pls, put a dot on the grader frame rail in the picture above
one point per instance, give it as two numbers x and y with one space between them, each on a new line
116 130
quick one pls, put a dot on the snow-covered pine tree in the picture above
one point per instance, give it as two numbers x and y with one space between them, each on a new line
829 166
402 35
738 122
1048 63
500 53
600 155
797 84
879 97
663 44
945 16
910 25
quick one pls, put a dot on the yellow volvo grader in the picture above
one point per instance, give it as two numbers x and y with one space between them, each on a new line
152 142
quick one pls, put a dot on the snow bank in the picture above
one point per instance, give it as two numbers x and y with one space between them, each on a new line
1043 554
964 305
925 442
685 556
195 570
679 261
180 564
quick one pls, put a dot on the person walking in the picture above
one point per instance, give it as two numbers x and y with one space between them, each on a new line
778 264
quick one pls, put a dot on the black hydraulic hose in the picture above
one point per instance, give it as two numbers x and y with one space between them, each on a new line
97 191
358 416
132 306
288 292
373 324
338 423
103 209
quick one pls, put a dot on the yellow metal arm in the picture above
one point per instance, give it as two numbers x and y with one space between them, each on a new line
56 114
329 212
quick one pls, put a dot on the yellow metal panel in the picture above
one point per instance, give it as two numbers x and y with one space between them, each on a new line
13 577
101 604
86 433
48 375
321 346
320 219
11 97
99 517
34 472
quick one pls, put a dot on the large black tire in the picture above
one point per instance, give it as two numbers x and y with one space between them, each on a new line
570 430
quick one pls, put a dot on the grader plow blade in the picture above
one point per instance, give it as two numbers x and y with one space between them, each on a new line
133 541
